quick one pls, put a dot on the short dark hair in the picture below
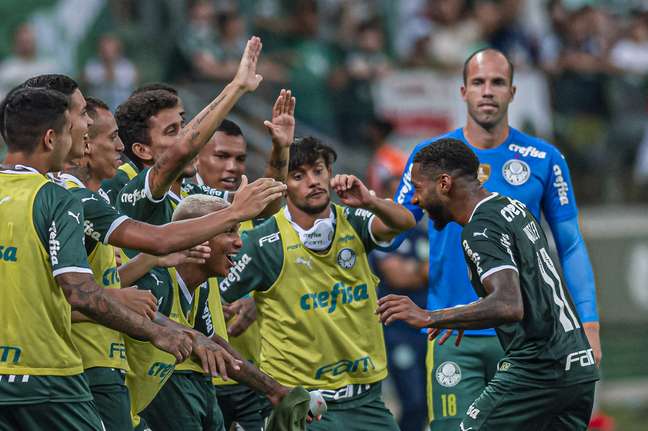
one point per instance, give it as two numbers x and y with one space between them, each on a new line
61 83
479 51
306 151
151 86
450 156
229 128
29 113
93 104
133 116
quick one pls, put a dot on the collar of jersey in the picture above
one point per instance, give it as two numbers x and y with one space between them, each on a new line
63 177
183 287
16 171
500 147
486 199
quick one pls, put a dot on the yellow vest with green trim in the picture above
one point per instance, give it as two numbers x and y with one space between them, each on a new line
247 344
35 317
150 367
100 346
317 322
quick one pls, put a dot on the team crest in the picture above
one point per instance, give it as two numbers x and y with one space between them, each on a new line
346 258
448 374
516 172
483 173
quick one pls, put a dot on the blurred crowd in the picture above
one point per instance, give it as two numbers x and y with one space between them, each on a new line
593 54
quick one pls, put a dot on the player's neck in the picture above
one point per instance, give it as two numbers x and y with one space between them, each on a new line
192 274
306 220
467 200
40 162
485 139
176 187
84 174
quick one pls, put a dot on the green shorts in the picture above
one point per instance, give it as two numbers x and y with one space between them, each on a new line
240 404
186 402
364 413
456 376
51 416
111 397
510 406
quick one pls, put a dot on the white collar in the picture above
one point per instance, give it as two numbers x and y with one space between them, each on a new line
199 179
23 168
486 199
69 177
183 287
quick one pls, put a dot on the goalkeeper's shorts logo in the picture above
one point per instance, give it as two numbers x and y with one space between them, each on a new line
448 374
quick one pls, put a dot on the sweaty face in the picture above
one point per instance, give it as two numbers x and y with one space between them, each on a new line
164 130
222 162
308 187
105 146
80 123
428 197
223 248
488 89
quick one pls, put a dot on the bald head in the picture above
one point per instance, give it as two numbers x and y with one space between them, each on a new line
487 55
197 206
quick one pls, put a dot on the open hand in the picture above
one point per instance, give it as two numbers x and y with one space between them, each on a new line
246 77
214 358
141 302
245 312
174 341
251 199
282 126
197 254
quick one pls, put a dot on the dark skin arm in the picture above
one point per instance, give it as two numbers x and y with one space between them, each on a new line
251 376
85 296
502 304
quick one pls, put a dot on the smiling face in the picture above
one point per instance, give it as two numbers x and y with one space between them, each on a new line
105 146
224 246
81 121
430 193
164 132
488 89
221 163
308 187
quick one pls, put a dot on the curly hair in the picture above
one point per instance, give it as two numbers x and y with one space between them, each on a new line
450 156
133 116
306 151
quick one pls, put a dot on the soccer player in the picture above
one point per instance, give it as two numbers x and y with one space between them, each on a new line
314 290
102 350
517 165
45 275
545 381
221 165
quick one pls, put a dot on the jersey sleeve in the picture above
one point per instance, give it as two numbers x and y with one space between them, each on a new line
135 199
101 219
204 318
58 217
257 265
558 200
361 220
488 247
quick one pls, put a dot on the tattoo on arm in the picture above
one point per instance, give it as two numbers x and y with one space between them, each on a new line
86 296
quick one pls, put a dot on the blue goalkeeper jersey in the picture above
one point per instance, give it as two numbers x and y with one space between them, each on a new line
523 167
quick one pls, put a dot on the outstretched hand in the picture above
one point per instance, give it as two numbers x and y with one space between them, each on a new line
251 199
352 191
397 307
246 77
282 126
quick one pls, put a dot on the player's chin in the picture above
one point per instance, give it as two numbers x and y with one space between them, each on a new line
189 171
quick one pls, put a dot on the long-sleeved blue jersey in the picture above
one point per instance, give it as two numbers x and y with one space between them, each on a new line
533 172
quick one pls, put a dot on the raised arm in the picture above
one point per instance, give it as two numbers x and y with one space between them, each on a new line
282 131
196 134
502 304
86 296
391 218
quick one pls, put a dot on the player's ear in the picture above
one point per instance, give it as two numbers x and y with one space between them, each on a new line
445 183
513 91
49 139
142 151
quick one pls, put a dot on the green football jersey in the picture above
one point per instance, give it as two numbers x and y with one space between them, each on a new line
136 201
548 344
111 187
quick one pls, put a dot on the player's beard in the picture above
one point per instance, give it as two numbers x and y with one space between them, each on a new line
312 209
438 215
